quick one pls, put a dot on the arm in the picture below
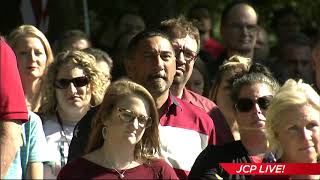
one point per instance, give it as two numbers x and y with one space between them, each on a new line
35 170
206 165
10 141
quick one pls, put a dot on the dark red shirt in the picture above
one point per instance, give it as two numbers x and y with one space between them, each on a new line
84 169
213 47
12 101
223 132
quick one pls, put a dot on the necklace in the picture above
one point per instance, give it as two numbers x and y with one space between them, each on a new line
121 175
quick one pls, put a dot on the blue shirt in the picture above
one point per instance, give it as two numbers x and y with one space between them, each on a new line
32 149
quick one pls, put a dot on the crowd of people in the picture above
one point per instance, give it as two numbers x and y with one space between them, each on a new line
169 102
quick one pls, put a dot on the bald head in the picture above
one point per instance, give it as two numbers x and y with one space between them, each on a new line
238 10
239 29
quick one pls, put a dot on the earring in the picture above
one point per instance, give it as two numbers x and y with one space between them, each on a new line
104 132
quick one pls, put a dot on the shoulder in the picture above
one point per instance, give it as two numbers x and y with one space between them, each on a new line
51 125
34 118
191 109
74 168
12 103
199 101
221 153
164 170
189 116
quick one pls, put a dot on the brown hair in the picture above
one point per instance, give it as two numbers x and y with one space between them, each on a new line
149 145
233 66
180 27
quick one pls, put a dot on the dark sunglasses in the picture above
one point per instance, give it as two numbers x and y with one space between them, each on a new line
77 82
246 104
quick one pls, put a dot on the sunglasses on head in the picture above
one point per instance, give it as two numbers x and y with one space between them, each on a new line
77 82
246 104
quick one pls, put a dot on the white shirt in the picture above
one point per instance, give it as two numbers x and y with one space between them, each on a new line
58 145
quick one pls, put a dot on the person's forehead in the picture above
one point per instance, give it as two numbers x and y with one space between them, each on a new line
255 89
155 43
187 42
301 113
70 69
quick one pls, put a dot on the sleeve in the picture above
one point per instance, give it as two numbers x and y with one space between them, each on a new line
38 141
211 131
12 103
206 166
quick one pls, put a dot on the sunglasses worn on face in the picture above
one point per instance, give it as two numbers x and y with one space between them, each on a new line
128 116
246 104
77 82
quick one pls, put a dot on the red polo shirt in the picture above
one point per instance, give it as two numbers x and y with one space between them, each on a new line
12 101
223 132
185 130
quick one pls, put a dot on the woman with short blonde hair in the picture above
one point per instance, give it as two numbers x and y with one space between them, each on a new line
293 124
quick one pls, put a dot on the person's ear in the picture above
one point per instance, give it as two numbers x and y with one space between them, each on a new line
313 61
129 67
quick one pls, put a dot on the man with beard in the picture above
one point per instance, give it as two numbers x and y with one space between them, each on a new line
185 130
186 44
238 30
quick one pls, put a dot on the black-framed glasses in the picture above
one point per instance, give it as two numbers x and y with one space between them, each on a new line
128 116
77 82
246 104
187 54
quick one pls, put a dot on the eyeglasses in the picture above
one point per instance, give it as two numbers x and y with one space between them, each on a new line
251 28
77 82
187 54
246 104
128 116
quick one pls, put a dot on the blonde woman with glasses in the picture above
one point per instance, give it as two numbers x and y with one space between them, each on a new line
124 142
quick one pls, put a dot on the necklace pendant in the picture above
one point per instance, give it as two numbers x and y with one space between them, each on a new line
121 176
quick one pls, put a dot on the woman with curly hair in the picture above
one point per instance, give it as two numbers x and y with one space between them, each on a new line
124 142
34 55
221 90
72 87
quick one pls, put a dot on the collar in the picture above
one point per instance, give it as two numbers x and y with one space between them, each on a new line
187 96
172 104
172 100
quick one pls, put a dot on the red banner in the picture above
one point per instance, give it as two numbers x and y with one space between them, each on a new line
271 168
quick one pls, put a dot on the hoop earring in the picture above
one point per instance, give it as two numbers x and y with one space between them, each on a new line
104 132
